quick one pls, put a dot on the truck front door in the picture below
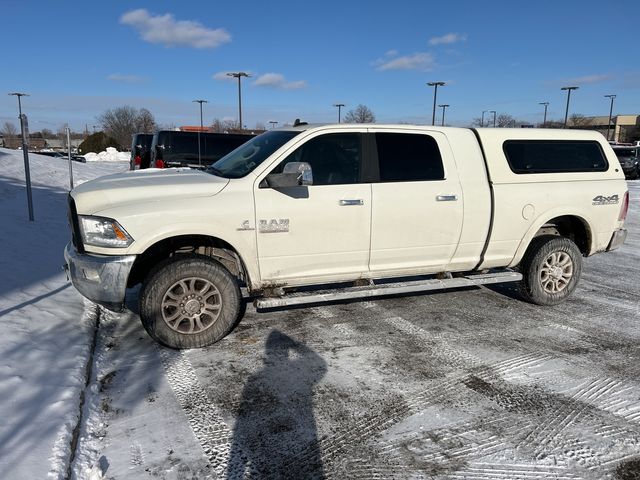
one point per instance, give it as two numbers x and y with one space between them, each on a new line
320 231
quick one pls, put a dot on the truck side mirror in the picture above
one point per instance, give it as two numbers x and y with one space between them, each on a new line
293 174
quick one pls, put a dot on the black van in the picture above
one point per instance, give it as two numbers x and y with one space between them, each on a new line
180 149
141 150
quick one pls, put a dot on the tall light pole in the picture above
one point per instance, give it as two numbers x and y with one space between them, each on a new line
339 105
546 104
24 129
435 95
494 117
610 114
201 127
566 112
444 106
482 119
239 76
273 123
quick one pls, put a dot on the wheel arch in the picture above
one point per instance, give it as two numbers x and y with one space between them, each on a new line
572 226
206 245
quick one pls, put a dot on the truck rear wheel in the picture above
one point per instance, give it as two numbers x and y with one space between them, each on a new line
550 269
189 302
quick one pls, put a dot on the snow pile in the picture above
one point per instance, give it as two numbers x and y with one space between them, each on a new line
110 155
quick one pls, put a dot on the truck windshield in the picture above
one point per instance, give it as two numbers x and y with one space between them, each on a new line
244 159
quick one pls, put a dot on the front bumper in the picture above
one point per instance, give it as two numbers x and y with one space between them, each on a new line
100 278
617 239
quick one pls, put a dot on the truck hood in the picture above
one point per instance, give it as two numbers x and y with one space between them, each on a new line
142 186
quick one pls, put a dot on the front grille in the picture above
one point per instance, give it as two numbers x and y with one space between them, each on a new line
72 214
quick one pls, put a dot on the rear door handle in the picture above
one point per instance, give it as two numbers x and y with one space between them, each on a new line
447 198
345 203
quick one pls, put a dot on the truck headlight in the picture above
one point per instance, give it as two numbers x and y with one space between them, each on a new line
103 232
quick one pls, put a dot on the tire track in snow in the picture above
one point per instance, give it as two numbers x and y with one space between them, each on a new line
488 471
207 424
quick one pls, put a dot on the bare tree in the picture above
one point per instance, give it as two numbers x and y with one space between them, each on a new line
146 122
9 130
360 114
224 126
46 133
120 123
579 120
504 120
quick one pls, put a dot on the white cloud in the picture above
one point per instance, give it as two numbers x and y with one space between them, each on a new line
167 31
117 77
588 79
277 80
423 61
448 39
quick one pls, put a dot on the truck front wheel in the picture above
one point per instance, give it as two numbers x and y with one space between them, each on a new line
550 269
189 302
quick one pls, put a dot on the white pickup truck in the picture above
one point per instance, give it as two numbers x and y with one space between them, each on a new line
322 207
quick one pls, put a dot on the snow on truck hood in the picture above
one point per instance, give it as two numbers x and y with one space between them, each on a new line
149 185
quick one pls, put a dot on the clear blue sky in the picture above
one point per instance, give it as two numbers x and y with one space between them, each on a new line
78 59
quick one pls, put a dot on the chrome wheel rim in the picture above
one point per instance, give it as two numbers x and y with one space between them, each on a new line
556 272
191 305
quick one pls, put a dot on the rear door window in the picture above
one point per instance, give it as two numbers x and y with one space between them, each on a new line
407 157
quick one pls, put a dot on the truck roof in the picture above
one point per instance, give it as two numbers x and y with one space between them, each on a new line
490 134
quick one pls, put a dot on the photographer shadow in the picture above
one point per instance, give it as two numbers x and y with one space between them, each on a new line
275 434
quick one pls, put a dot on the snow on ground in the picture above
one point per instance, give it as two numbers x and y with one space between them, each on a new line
109 155
47 327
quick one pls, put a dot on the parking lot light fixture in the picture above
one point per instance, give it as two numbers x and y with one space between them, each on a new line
612 97
435 95
566 112
339 105
19 95
239 76
273 123
546 104
201 127
494 117
482 118
444 107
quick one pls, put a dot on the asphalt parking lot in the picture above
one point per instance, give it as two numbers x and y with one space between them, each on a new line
469 384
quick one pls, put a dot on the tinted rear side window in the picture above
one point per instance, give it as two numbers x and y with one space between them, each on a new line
406 157
554 156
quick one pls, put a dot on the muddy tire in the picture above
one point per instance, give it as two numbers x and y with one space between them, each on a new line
550 269
189 301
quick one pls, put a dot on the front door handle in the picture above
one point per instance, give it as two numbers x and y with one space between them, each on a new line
447 198
345 203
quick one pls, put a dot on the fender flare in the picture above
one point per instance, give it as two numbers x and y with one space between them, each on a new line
545 218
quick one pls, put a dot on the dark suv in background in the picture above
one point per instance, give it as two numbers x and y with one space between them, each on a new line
180 149
141 150
629 158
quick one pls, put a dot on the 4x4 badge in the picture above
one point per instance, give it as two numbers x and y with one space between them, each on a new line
602 200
